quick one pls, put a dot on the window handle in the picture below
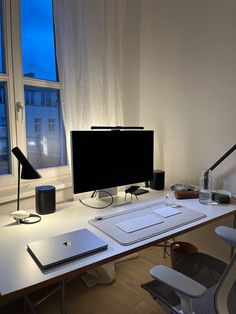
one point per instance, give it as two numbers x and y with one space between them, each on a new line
20 111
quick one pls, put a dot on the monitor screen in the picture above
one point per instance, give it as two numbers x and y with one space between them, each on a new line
107 158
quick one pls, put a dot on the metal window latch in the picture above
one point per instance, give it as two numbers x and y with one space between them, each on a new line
20 111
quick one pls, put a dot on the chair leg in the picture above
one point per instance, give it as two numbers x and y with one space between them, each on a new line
25 306
28 305
165 249
62 297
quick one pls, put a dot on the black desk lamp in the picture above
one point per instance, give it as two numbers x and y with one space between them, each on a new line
217 163
27 172
206 173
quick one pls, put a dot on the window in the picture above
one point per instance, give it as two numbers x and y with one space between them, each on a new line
45 149
37 125
51 125
29 97
46 98
37 41
30 106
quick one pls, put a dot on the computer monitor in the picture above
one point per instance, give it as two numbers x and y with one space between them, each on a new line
109 158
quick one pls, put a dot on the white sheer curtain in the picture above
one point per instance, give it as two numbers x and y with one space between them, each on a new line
89 43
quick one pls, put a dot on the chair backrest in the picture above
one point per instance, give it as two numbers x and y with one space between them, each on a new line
228 279
222 302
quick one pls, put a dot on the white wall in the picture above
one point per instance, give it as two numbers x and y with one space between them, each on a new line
131 63
187 86
188 93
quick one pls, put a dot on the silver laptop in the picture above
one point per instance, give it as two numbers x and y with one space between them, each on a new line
55 250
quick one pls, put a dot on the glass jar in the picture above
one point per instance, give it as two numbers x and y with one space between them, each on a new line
170 198
205 188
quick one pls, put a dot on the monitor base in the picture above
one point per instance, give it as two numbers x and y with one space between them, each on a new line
118 200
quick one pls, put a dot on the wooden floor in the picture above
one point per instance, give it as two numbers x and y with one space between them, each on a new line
123 296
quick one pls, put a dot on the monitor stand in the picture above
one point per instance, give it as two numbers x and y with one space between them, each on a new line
118 200
105 192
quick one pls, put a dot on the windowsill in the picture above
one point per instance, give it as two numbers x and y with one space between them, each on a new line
28 190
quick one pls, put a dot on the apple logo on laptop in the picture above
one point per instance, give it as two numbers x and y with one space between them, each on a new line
67 243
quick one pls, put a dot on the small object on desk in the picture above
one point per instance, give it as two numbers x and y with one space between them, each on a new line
140 191
135 190
20 214
170 198
186 194
184 187
23 217
131 189
97 218
221 198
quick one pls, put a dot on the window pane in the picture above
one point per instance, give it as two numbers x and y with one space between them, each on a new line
4 142
1 38
37 39
46 143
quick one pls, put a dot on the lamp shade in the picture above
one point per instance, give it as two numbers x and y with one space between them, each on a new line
27 170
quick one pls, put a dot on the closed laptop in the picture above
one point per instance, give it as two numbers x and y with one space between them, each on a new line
61 248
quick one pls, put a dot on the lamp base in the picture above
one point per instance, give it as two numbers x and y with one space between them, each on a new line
23 217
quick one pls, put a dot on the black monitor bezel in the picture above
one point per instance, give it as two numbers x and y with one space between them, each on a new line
78 186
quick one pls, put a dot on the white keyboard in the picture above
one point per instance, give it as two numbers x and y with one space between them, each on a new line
139 223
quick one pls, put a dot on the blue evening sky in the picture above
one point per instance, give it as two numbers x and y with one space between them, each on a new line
37 39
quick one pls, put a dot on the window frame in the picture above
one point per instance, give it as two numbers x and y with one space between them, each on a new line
15 82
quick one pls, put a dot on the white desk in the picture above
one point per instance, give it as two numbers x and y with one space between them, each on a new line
19 274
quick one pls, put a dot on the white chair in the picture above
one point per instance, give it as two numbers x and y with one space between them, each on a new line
199 284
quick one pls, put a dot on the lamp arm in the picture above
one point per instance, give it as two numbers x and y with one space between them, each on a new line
206 173
222 158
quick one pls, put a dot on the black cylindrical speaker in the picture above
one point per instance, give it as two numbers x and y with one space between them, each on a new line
158 182
45 197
